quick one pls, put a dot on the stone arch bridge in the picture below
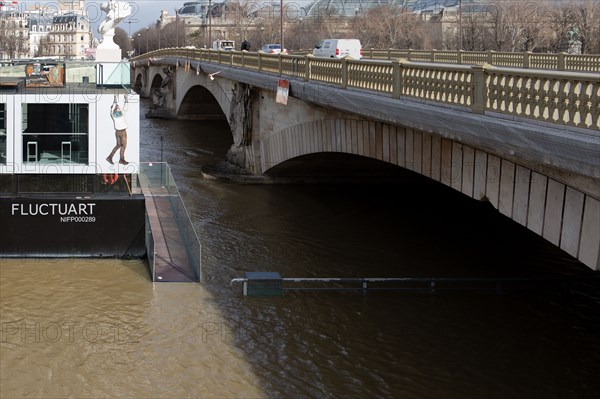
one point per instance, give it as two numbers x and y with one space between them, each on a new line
483 133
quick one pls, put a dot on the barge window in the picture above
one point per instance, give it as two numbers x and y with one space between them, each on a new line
2 134
55 133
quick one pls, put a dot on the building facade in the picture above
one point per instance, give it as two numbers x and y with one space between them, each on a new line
14 34
68 38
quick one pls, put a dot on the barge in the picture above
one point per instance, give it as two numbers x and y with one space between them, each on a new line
70 175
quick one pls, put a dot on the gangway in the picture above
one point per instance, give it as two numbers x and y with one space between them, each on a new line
172 245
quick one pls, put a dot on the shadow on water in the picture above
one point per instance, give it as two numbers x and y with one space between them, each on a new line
528 343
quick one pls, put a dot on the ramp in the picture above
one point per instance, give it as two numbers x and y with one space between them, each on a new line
172 245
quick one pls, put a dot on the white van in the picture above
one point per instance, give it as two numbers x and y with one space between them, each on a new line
338 48
225 45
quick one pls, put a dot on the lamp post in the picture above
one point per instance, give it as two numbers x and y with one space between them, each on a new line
158 29
139 43
281 24
147 39
176 28
460 33
209 24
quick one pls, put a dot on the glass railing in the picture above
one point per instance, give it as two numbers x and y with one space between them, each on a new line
155 179
114 74
150 248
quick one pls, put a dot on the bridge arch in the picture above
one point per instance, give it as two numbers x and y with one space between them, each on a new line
538 198
199 103
138 84
157 80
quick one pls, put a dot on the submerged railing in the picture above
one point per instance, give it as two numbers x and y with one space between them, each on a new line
272 284
157 180
564 98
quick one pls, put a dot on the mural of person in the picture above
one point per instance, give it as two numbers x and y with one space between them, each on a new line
118 116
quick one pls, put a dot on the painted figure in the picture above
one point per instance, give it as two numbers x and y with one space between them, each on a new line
118 116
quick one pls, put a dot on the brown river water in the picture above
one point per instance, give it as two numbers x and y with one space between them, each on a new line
100 329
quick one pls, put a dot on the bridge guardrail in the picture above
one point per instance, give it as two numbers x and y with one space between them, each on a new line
566 98
553 61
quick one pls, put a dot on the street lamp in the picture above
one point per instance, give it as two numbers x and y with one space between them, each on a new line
281 24
146 39
176 27
139 42
158 29
209 24
460 33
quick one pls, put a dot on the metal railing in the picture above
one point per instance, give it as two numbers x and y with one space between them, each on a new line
565 98
432 285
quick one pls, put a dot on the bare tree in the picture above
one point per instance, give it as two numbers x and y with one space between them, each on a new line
586 15
390 27
122 40
243 15
13 44
560 20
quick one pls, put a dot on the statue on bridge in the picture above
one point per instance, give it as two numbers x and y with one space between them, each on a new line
574 42
159 97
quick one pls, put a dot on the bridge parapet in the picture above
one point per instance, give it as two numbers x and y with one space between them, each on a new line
552 61
565 98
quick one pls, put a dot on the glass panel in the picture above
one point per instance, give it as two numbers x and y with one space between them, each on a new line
2 134
55 133
156 179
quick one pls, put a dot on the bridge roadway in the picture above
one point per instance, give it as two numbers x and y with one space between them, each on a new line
526 141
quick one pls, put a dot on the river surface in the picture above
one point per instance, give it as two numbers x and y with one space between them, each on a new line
100 328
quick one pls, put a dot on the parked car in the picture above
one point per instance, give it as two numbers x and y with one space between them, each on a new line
273 49
338 48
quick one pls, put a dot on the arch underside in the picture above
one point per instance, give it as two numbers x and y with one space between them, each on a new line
138 83
199 103
564 215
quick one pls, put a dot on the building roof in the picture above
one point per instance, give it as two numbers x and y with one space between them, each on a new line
353 7
66 18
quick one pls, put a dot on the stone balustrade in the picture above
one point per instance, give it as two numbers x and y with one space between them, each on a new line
552 96
552 61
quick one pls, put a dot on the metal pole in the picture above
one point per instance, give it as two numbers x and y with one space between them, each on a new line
159 37
162 165
281 24
209 24
147 39
460 31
